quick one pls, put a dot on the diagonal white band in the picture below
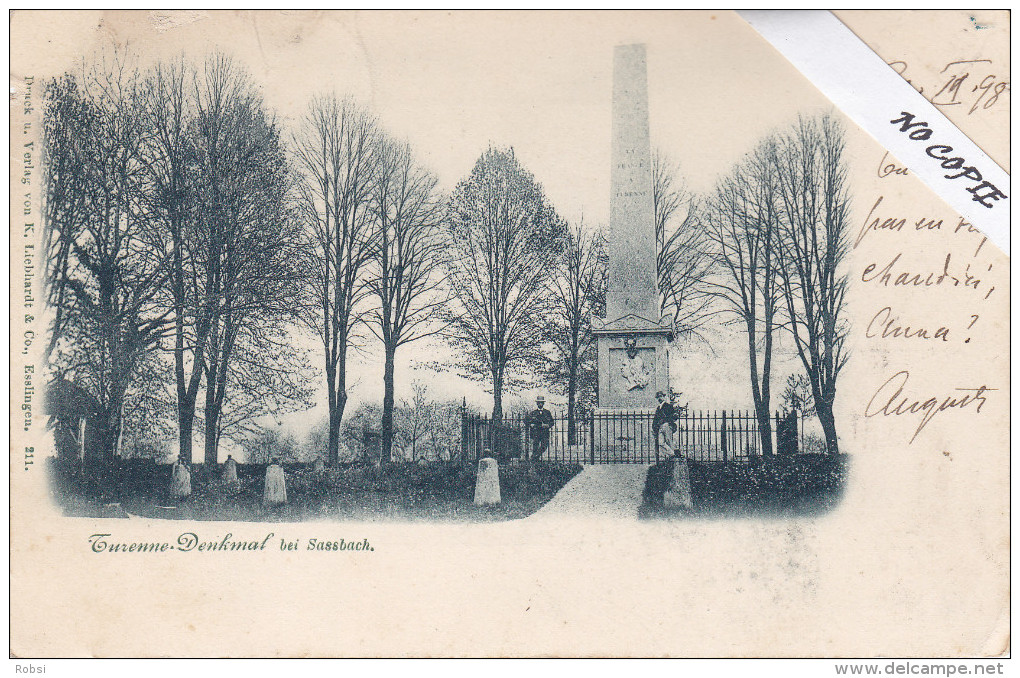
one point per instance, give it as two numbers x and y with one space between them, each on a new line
874 96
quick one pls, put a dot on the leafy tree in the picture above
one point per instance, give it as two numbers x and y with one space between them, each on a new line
429 428
502 243
149 416
265 445
797 394
106 265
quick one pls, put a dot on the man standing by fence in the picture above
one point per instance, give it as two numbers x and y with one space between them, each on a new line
664 423
540 423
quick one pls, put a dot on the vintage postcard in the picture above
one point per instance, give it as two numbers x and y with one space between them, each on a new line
498 334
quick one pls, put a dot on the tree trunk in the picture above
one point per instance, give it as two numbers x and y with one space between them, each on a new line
761 404
108 424
332 433
337 402
104 442
385 455
187 386
824 410
333 442
186 428
498 437
766 391
497 400
212 421
216 391
571 405
761 411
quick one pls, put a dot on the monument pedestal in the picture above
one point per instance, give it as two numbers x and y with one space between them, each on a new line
633 364
623 435
633 361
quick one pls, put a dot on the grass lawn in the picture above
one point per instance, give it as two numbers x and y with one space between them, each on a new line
779 487
397 492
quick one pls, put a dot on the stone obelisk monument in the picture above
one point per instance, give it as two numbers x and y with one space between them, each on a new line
633 339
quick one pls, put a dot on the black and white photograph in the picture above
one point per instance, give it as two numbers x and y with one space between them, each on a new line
563 334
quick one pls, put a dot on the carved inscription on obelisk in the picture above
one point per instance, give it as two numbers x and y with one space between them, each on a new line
632 247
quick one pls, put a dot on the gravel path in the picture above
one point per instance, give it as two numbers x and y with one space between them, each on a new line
603 490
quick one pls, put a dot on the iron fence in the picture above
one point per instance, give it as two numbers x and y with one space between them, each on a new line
626 436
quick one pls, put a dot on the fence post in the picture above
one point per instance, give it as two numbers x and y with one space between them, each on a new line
795 443
464 430
591 441
722 430
778 448
655 438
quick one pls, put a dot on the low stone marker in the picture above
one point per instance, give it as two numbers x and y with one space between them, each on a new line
487 482
230 470
318 466
275 491
678 494
180 483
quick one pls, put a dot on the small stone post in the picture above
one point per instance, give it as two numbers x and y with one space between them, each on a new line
487 482
180 482
230 470
678 494
318 466
275 491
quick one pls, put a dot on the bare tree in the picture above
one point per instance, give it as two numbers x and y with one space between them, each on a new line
743 225
105 264
405 273
683 260
167 215
503 241
336 152
216 183
169 159
243 257
811 179
70 123
419 417
577 293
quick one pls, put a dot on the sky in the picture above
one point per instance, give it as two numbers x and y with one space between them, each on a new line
454 83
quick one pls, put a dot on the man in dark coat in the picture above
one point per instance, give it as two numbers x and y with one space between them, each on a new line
539 422
664 423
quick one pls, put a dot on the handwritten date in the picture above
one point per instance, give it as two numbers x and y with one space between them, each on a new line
970 83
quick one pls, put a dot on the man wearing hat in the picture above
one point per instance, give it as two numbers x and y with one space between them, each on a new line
664 423
539 423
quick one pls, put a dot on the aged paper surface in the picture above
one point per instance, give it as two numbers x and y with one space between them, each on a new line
913 561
